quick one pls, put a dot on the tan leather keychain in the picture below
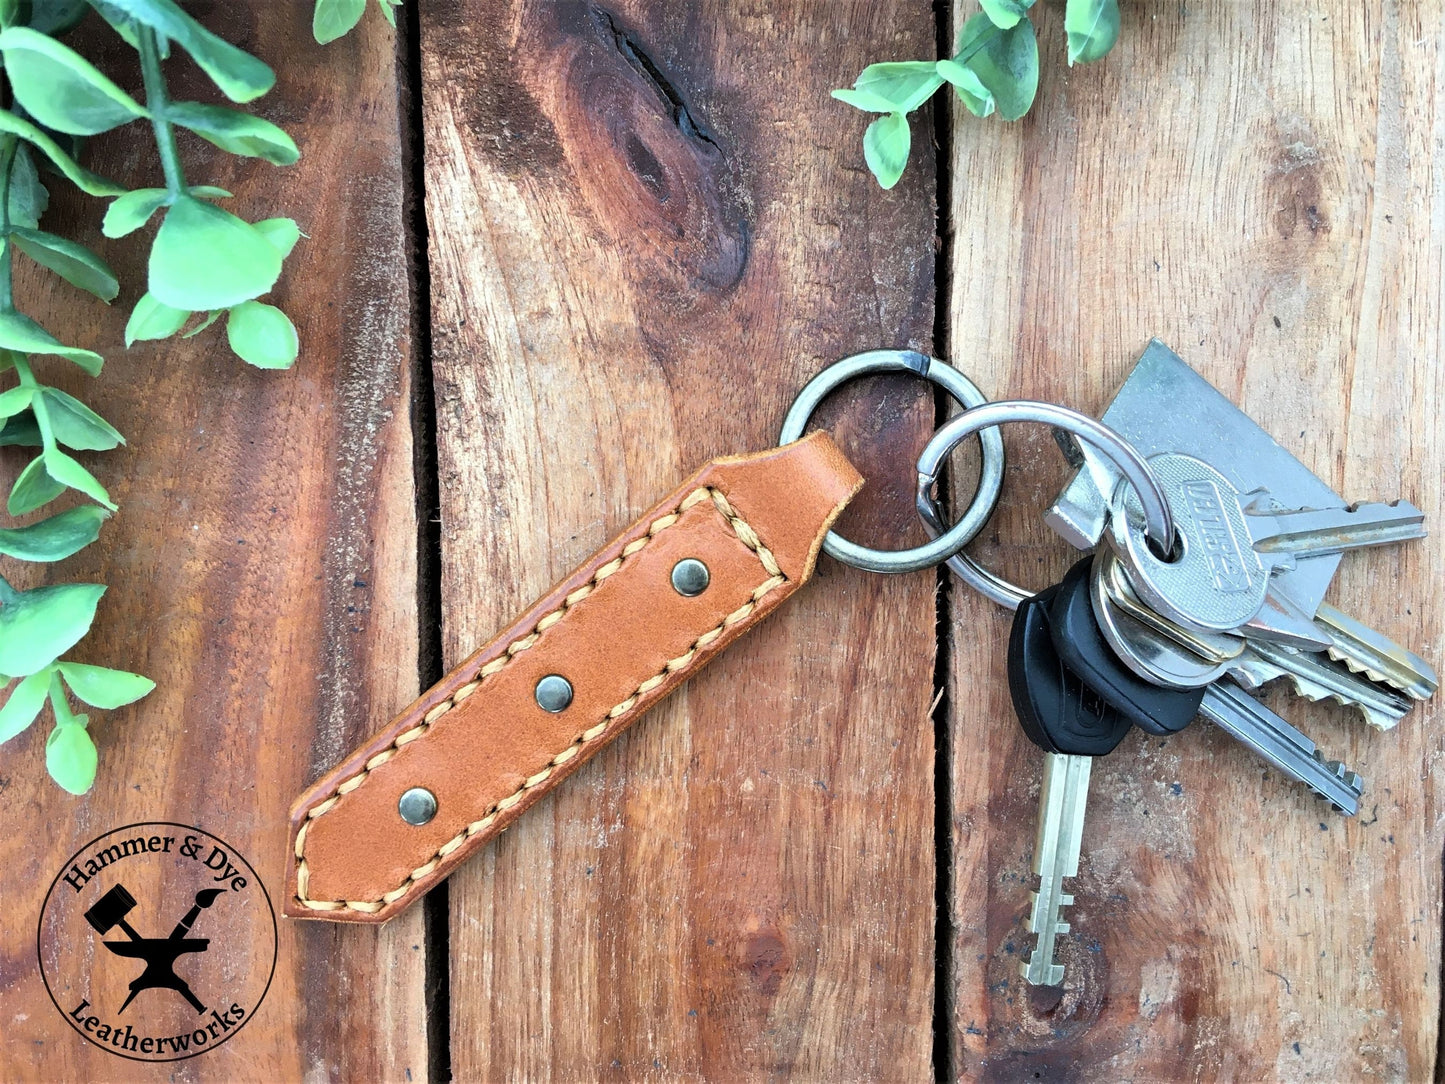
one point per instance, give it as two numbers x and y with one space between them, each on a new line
648 610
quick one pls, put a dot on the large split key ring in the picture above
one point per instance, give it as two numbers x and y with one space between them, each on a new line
961 390
1158 520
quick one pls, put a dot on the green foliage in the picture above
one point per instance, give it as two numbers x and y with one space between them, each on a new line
995 69
205 262
332 19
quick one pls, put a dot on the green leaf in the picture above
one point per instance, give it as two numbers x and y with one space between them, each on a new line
19 332
281 232
38 626
90 183
23 704
1005 61
207 258
236 132
262 335
885 148
388 10
1004 14
69 259
152 319
869 103
64 469
1093 28
21 431
15 400
333 18
898 87
60 88
55 17
104 688
208 191
55 537
131 211
70 756
28 197
240 76
977 97
33 488
76 425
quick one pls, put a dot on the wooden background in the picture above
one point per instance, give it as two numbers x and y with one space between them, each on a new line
558 255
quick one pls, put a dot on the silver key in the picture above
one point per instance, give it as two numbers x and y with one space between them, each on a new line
1379 658
1056 856
1282 539
1250 662
1315 677
1233 710
1243 717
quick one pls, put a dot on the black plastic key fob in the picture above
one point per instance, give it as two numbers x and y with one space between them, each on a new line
1077 638
1058 712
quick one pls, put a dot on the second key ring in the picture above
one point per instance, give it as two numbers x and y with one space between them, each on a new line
1158 520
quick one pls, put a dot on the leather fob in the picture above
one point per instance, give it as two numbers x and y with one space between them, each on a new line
616 629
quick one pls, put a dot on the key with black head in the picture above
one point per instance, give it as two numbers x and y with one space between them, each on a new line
1080 642
1067 719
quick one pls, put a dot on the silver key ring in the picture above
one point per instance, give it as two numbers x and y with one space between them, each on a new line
1158 521
945 543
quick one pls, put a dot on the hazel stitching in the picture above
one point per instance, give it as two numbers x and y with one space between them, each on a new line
745 534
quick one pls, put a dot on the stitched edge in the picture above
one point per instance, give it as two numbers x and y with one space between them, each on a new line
746 535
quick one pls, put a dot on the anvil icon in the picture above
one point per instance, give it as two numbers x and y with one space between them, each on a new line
160 954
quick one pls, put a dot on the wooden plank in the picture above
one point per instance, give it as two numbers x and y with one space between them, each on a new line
262 568
1260 186
649 226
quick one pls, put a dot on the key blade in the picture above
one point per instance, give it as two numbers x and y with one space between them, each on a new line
1056 856
1317 678
1286 537
1273 738
1366 651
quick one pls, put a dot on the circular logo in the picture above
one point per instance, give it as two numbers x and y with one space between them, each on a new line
157 941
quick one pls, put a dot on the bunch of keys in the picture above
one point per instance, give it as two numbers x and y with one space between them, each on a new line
1202 585
1211 556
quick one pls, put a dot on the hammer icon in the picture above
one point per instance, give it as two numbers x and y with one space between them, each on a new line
159 954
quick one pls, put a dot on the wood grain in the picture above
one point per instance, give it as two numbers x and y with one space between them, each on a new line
648 227
1260 186
262 568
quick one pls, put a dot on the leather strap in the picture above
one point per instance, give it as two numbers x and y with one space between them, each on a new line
621 635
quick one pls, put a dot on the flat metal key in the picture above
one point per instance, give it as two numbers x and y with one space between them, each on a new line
1232 709
1071 724
1282 539
1251 662
1375 655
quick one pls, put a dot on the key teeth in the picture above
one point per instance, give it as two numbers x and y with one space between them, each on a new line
1348 776
1378 718
1355 666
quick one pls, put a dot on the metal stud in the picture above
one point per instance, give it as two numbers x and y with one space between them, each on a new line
554 693
417 806
690 577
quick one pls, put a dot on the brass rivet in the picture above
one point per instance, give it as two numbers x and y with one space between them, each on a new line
554 693
417 806
690 577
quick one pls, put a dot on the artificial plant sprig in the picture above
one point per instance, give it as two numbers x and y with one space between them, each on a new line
38 626
204 262
995 69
